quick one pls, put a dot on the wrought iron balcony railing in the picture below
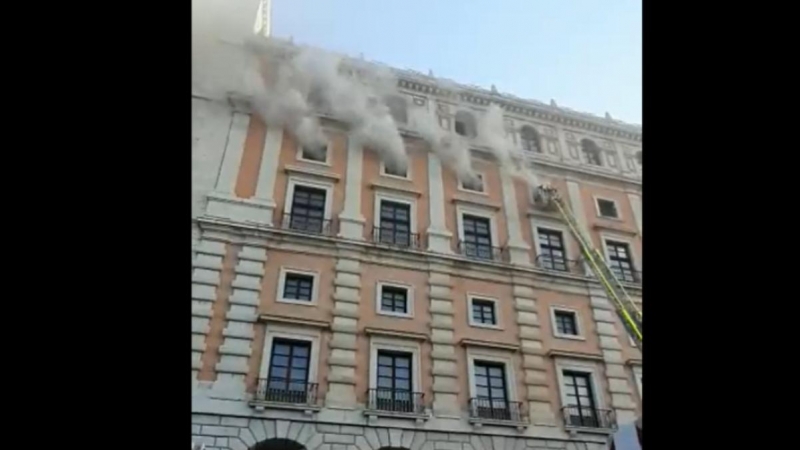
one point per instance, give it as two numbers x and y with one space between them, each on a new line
556 264
305 224
396 401
581 416
395 238
482 252
279 390
490 409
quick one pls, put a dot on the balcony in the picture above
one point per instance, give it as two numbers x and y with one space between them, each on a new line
310 225
485 411
560 265
278 394
630 276
589 419
396 403
482 252
395 238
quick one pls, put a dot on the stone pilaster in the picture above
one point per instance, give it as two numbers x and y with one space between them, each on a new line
206 273
438 236
443 353
636 207
351 222
518 249
540 410
620 390
576 205
240 319
342 360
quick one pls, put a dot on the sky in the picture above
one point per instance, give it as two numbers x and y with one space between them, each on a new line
584 54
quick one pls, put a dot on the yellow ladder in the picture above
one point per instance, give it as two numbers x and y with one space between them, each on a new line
626 309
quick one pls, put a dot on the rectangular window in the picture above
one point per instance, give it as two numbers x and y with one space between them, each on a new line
607 208
477 237
483 312
308 209
298 286
319 154
476 186
619 261
394 390
491 391
287 380
566 323
392 170
580 405
395 223
394 299
551 247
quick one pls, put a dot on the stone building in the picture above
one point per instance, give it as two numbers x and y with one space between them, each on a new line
338 304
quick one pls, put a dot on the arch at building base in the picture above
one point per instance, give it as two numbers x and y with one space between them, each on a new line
278 444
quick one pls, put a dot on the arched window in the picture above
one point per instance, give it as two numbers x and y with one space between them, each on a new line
466 125
397 108
530 139
591 152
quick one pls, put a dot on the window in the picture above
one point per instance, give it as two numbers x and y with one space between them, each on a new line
607 208
530 139
619 261
580 406
591 152
475 185
397 108
315 154
297 286
308 209
477 241
287 380
491 394
551 249
395 223
394 299
483 312
394 391
566 323
393 170
465 124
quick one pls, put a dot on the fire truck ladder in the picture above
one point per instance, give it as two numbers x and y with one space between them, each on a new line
626 309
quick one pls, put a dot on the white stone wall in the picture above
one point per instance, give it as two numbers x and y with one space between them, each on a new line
211 122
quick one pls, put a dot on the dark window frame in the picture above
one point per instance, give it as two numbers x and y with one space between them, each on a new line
307 214
289 382
587 413
481 183
300 277
308 156
394 230
608 204
394 298
549 247
621 266
566 323
496 402
483 303
480 243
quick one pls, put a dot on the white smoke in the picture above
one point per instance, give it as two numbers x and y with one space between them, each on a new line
288 86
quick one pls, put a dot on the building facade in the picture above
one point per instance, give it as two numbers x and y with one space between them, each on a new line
338 304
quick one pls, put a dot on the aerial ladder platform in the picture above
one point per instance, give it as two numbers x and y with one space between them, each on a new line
629 437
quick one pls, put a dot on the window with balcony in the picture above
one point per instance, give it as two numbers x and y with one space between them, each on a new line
477 242
395 223
394 390
308 209
620 262
551 249
287 379
491 393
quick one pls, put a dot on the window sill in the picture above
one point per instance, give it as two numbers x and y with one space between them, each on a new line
587 430
296 302
406 190
312 172
395 315
373 414
395 177
483 203
569 336
488 327
325 163
261 406
478 423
